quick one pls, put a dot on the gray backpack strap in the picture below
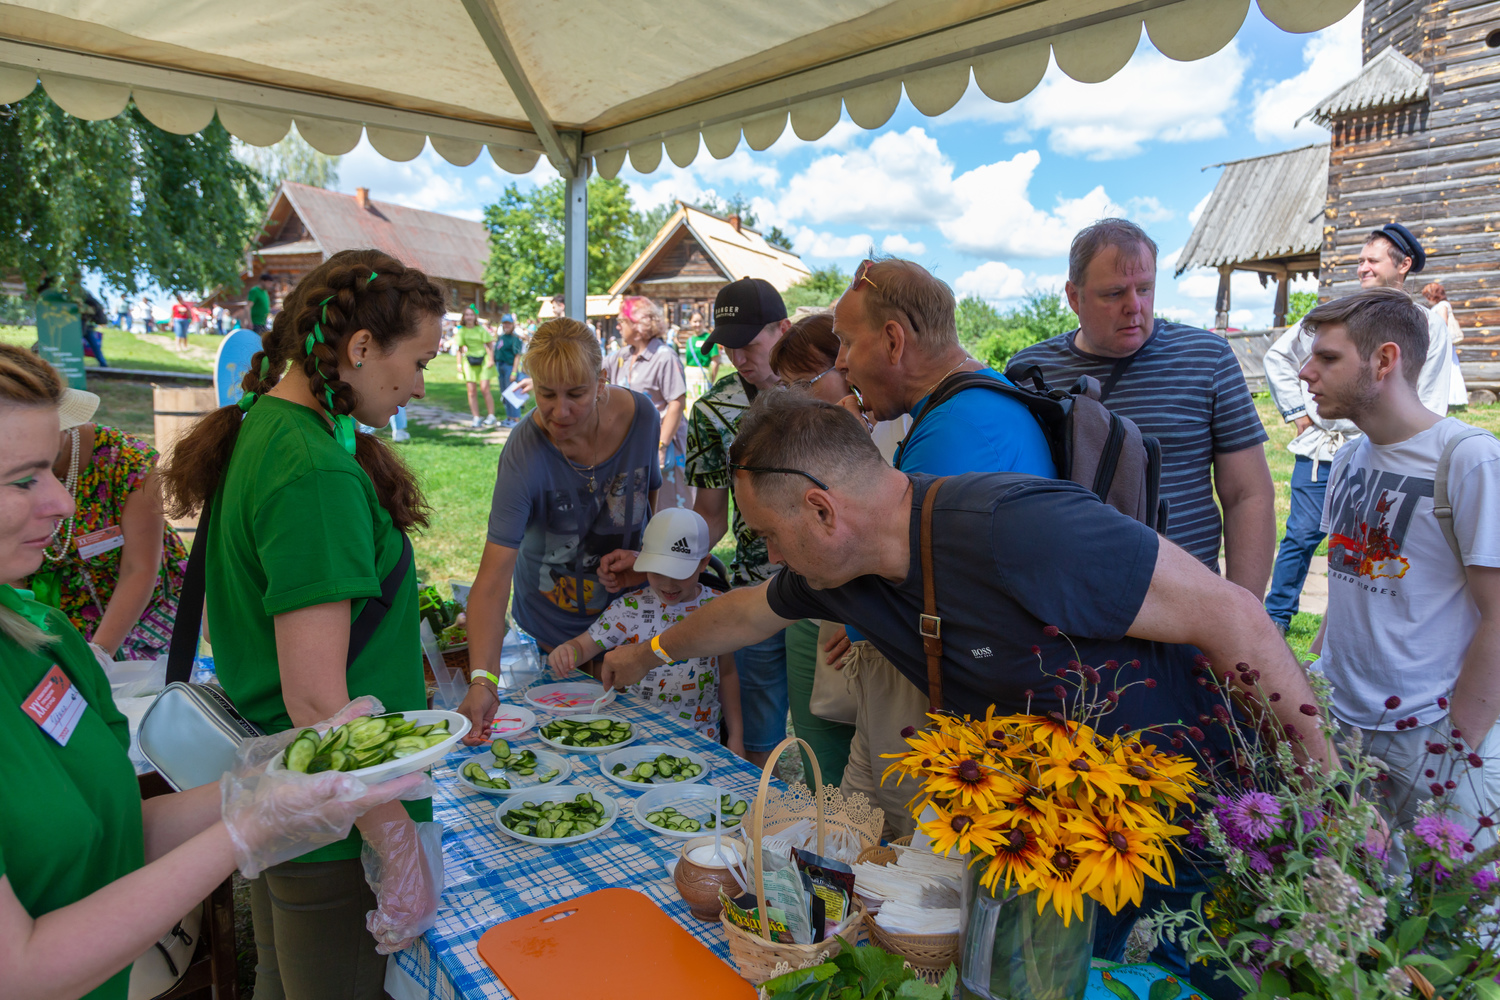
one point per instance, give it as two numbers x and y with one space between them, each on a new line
1442 507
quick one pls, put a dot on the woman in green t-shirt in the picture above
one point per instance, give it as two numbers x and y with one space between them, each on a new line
307 521
91 876
476 363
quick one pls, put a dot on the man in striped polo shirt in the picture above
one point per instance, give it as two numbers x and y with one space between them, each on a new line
1179 384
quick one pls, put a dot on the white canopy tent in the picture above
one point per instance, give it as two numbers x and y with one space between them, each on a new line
584 82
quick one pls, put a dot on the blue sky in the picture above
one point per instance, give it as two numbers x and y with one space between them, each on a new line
988 195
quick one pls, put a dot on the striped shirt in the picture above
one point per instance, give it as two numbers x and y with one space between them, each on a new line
1184 388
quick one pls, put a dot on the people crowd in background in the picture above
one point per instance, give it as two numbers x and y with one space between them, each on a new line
859 463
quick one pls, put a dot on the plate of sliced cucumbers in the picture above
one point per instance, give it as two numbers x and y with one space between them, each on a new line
554 816
587 733
639 767
685 811
502 770
376 747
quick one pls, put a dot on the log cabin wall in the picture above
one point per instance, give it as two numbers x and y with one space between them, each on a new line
1432 165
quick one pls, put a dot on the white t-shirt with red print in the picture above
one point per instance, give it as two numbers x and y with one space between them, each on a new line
1400 618
687 691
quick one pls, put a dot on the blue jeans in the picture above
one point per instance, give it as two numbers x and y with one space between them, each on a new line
1304 533
180 327
763 696
93 342
502 379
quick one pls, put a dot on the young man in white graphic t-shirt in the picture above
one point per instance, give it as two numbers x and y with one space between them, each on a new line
1411 640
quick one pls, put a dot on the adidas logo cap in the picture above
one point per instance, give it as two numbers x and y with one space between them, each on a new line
675 541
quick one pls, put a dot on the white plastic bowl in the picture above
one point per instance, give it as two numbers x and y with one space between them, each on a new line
565 793
694 801
633 755
634 731
512 720
518 782
568 697
458 726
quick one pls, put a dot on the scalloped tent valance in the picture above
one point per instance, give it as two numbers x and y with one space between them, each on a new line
580 79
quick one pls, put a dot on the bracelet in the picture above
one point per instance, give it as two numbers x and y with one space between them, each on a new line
661 654
477 675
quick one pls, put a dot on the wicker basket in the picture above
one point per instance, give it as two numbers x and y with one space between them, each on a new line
929 955
757 957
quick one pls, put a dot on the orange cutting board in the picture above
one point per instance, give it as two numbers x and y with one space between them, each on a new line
612 943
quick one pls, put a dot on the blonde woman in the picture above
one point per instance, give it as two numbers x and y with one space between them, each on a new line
578 480
647 365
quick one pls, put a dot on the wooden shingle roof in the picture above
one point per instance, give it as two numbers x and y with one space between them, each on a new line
1263 208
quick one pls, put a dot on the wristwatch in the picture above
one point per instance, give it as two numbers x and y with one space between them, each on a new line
661 654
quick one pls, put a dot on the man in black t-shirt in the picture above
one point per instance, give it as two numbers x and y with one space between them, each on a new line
1025 569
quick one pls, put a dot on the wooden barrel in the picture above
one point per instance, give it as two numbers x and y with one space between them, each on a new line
175 410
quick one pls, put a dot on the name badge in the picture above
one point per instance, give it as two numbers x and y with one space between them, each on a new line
96 543
55 705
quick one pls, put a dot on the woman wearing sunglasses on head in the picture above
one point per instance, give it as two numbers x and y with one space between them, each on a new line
307 527
91 876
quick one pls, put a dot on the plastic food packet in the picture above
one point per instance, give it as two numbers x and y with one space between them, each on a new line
787 901
831 881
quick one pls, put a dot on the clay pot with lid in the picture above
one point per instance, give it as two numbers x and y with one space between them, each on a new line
699 884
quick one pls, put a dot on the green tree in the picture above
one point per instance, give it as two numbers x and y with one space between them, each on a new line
1042 314
976 319
291 159
1299 304
122 198
818 290
526 241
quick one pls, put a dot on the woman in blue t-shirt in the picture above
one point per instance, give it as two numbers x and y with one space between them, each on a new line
577 480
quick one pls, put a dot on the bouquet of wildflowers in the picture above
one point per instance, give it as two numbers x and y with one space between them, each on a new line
1308 906
1049 804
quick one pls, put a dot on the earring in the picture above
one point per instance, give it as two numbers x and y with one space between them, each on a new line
359 364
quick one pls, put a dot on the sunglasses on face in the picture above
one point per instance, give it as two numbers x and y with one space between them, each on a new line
786 472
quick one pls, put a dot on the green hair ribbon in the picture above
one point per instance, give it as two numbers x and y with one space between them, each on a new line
374 275
248 399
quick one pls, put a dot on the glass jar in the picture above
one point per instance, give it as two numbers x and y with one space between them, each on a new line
1012 952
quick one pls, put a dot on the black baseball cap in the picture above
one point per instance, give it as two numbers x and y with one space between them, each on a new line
742 309
1403 240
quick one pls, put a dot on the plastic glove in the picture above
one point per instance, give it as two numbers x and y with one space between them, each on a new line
252 756
404 865
275 816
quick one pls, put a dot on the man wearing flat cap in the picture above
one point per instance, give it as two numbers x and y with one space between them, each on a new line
1390 253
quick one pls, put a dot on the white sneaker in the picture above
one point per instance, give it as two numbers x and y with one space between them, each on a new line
476 422
397 434
490 420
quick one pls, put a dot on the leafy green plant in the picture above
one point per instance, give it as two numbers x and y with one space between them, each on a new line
1299 304
867 973
995 337
818 290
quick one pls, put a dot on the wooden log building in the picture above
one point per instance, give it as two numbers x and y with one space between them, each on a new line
1416 140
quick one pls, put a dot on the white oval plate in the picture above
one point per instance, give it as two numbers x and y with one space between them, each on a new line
516 720
518 782
634 731
458 725
568 697
564 793
694 801
633 755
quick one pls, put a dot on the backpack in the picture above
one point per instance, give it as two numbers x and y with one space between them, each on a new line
1090 445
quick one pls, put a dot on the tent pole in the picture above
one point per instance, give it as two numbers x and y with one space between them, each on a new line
576 241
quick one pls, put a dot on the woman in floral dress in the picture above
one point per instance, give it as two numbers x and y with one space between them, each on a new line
116 568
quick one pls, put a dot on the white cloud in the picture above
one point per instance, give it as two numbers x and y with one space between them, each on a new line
430 182
904 179
1197 211
1165 262
994 281
1249 303
1179 314
900 246
809 243
841 136
1152 99
1241 318
1332 59
1147 210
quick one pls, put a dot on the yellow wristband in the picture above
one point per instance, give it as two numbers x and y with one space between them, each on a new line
661 654
476 675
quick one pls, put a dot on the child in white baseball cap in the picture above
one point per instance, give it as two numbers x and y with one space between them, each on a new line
703 692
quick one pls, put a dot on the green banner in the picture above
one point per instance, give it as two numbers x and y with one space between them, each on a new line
59 335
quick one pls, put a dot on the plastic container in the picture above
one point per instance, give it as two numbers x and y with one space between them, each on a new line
458 725
633 755
518 782
566 793
511 721
693 801
568 697
590 718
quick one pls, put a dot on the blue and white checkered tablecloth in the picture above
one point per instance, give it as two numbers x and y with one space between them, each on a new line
490 878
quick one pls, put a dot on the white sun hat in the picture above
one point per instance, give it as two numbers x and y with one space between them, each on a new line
76 407
674 543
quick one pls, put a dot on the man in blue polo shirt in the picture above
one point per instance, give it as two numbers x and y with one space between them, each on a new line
897 343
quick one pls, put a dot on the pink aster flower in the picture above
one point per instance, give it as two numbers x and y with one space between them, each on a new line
1258 814
1441 834
1484 879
